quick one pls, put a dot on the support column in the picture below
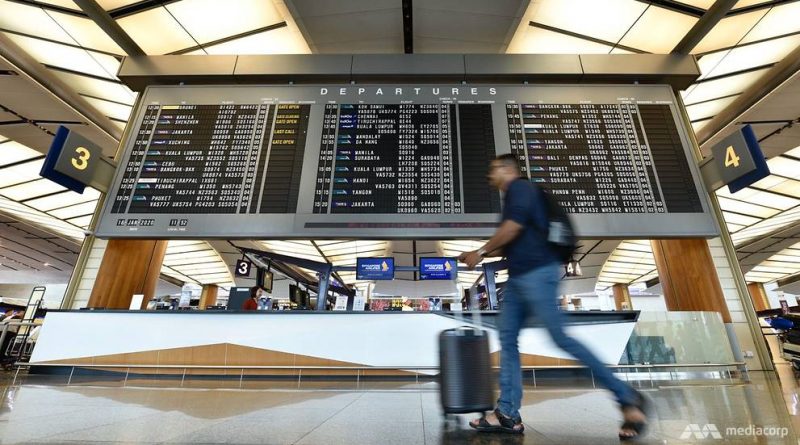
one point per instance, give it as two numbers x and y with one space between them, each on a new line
689 277
208 296
759 296
129 267
622 297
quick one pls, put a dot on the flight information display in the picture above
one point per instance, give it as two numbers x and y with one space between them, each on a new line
601 158
212 158
405 158
400 161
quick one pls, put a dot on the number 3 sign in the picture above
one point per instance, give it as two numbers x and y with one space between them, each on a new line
243 268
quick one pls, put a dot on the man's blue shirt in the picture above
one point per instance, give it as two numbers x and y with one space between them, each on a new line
525 205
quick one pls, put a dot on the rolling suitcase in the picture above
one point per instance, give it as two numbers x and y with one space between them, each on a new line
465 373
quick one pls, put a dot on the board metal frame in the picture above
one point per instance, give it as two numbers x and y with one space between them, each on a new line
306 224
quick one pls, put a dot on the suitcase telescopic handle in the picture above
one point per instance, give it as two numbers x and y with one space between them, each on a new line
476 319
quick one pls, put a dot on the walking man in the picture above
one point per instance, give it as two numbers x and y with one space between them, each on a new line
532 290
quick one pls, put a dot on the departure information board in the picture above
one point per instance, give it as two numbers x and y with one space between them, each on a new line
601 158
400 161
405 158
212 158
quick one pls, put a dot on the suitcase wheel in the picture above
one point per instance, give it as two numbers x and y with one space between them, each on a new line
450 422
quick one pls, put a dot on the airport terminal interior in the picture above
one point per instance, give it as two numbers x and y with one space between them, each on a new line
257 221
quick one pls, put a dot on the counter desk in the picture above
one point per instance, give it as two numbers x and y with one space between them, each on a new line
284 342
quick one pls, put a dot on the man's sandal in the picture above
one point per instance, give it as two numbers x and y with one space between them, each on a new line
507 425
640 428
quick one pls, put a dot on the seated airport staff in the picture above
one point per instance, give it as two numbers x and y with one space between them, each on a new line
252 303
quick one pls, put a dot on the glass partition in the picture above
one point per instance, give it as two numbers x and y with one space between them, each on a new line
683 338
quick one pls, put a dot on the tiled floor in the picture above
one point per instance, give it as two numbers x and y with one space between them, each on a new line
45 410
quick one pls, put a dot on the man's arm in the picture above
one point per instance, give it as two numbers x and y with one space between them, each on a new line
506 233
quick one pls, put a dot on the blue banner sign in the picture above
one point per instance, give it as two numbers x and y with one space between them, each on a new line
375 268
433 268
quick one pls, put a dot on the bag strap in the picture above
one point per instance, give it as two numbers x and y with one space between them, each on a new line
543 231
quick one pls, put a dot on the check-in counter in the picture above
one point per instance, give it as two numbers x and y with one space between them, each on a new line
267 343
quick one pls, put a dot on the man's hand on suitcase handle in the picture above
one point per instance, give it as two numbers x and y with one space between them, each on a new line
471 259
507 231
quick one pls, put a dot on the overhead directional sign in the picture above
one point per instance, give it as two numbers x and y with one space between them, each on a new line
733 157
739 159
75 162
243 268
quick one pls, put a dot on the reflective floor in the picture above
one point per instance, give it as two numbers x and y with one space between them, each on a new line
38 409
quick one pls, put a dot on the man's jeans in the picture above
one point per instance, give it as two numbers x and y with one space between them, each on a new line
535 293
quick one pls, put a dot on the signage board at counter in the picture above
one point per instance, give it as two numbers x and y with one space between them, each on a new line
434 268
375 268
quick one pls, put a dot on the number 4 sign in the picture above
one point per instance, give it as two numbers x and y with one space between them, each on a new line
739 159
243 268
731 160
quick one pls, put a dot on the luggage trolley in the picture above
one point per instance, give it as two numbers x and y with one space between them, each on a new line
20 348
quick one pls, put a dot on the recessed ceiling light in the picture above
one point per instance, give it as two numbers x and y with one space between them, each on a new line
46 264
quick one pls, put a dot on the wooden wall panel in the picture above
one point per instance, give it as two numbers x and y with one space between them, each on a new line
208 296
129 267
759 296
688 276
622 295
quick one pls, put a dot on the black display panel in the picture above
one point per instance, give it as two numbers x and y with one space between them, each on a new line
604 158
400 161
405 158
211 159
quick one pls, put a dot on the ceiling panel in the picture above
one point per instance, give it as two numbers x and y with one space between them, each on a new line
208 20
30 20
669 26
704 4
31 189
276 41
8 117
66 199
30 135
71 58
12 152
170 36
114 4
537 40
85 32
747 56
96 87
607 20
111 109
710 108
762 130
461 25
18 173
24 99
357 28
74 211
726 86
729 31
781 19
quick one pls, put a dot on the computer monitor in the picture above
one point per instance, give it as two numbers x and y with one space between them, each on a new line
299 297
264 279
237 297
